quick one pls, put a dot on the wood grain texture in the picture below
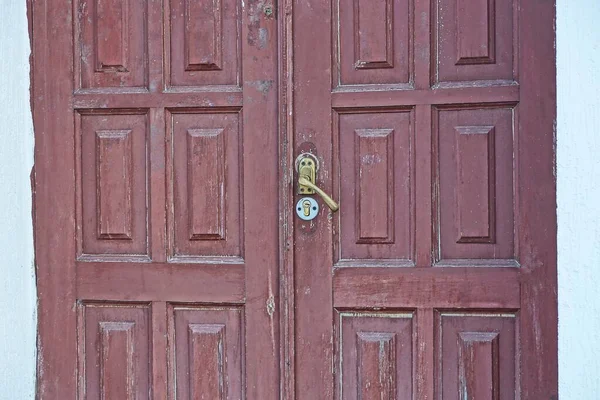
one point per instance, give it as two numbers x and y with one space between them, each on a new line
206 353
476 355
475 32
203 35
376 179
450 287
112 171
475 176
373 43
208 283
203 44
113 179
114 356
476 190
139 92
111 49
54 187
206 184
374 356
205 217
111 35
475 40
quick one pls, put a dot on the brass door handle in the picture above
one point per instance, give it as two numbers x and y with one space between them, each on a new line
328 200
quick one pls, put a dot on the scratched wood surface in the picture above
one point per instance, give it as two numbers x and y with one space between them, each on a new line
157 219
437 277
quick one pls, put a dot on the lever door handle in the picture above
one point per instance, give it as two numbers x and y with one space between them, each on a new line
302 180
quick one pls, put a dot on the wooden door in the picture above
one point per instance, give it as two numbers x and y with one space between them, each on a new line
432 121
156 199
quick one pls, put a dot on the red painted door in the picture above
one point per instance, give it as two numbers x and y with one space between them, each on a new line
171 263
156 199
432 122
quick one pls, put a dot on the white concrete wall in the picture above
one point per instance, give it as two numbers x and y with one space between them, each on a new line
578 172
17 281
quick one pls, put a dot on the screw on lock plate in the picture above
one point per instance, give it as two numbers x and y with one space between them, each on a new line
307 208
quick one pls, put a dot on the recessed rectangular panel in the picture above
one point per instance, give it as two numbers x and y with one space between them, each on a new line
374 161
373 42
474 41
204 48
205 194
114 357
373 34
203 35
374 357
475 207
111 44
206 351
111 36
476 356
206 182
113 174
375 175
476 34
112 194
475 193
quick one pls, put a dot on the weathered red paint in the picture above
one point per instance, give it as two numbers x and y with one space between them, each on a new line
423 116
170 262
156 199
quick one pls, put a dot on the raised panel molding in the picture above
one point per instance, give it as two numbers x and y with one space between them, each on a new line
113 351
112 191
373 44
113 173
476 355
111 50
111 35
475 192
203 45
474 43
206 352
206 183
374 162
117 348
205 218
203 35
476 32
207 361
374 355
375 169
478 365
373 34
376 358
473 187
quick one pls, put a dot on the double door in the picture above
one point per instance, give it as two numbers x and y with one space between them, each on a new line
185 249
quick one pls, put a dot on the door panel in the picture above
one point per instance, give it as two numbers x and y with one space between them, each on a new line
158 171
375 351
416 287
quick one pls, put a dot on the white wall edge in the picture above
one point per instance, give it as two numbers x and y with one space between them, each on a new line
578 198
17 278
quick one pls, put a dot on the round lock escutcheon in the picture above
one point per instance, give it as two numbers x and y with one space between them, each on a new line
307 208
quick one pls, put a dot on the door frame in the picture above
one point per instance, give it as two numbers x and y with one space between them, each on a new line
539 285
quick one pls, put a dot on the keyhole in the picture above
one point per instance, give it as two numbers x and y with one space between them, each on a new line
306 206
